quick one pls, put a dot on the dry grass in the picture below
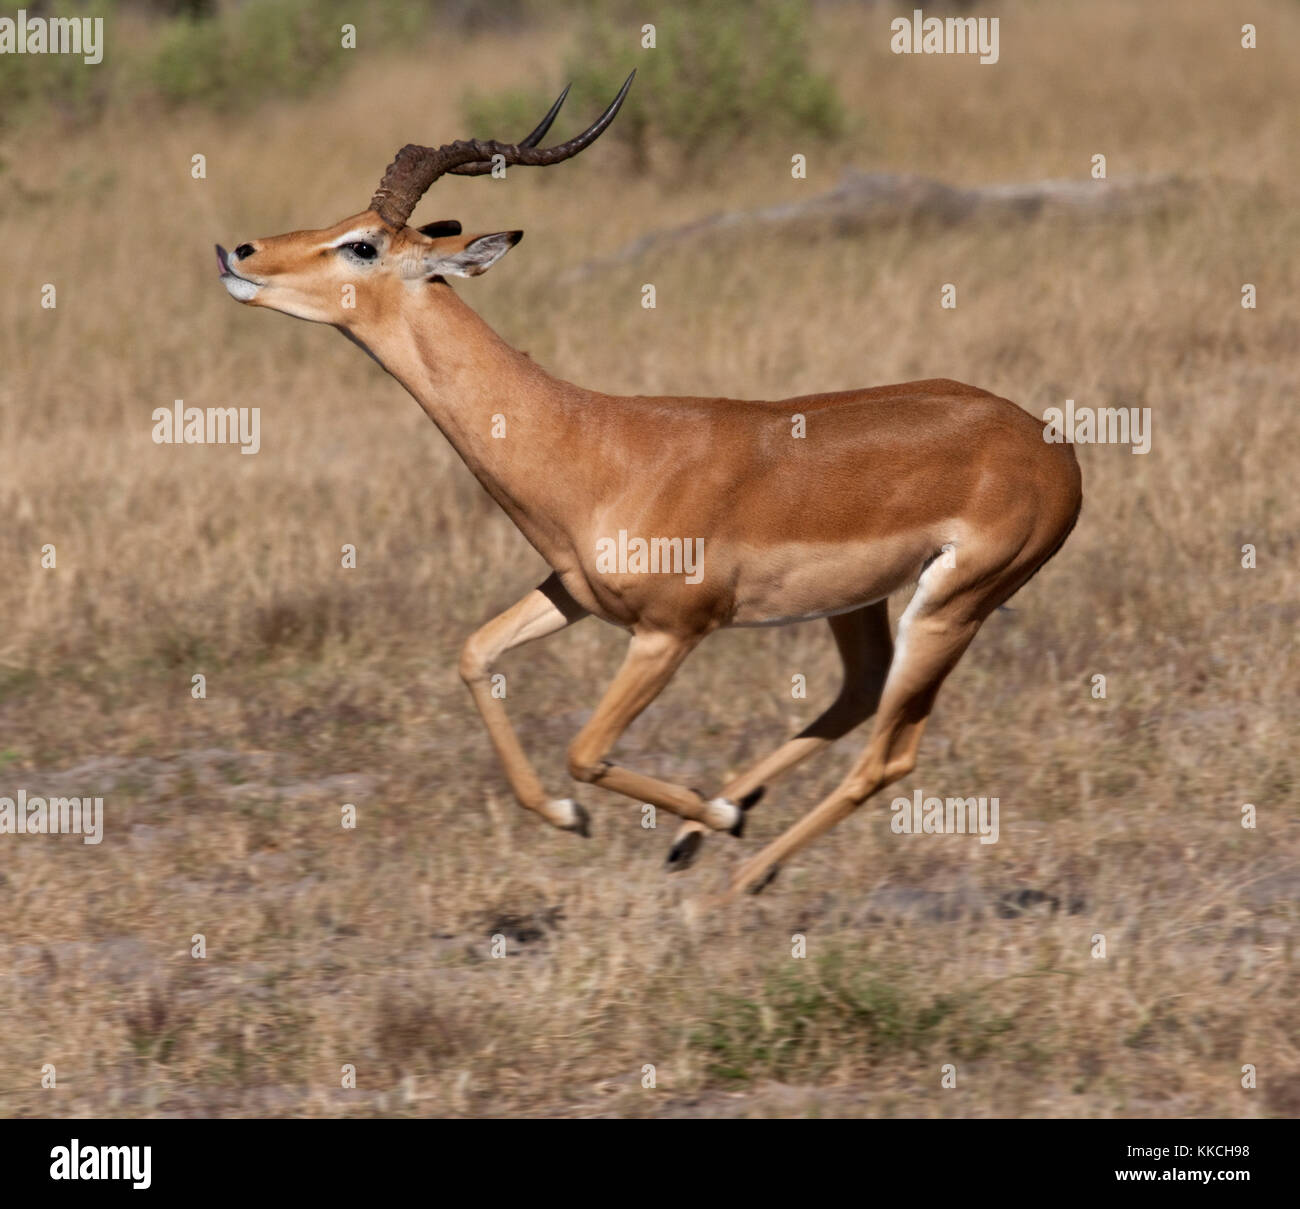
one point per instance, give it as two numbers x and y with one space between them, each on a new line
326 686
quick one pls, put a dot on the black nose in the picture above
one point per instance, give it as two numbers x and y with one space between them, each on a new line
244 251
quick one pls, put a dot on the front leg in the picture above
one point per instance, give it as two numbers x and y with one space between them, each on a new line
546 610
652 658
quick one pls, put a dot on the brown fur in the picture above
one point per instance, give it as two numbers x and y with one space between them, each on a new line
829 524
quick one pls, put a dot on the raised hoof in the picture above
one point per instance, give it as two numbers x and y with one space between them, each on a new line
768 878
684 851
751 799
569 815
581 824
722 815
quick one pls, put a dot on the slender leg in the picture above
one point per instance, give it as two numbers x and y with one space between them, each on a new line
931 639
543 611
652 658
862 638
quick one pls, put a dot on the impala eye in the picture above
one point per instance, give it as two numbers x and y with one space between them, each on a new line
366 251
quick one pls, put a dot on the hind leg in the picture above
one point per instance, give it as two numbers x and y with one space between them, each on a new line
865 647
936 628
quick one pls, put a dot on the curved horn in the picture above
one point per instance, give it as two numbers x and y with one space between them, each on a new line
416 167
545 124
539 132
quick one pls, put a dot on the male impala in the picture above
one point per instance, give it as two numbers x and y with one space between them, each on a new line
931 482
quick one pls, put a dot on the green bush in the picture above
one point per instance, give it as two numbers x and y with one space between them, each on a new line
182 52
55 84
272 47
721 71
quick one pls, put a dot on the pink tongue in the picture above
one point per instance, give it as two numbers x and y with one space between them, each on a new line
221 260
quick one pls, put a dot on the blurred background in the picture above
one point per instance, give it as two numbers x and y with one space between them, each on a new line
1120 817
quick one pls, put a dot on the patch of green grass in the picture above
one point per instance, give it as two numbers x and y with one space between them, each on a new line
817 1015
16 682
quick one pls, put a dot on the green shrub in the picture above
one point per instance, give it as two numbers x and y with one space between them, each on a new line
721 71
272 47
196 52
55 84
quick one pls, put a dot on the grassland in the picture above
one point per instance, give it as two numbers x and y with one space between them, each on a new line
1120 817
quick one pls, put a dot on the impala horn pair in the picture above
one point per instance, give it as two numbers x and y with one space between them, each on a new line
416 168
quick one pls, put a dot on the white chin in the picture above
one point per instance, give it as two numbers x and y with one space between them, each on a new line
239 289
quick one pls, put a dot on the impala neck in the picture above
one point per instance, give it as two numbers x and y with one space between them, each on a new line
509 420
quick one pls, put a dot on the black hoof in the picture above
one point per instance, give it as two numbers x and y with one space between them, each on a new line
582 824
752 798
684 851
768 879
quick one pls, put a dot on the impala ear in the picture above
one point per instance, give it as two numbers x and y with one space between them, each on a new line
468 255
444 226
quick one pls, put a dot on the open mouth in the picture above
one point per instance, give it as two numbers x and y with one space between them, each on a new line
224 265
239 288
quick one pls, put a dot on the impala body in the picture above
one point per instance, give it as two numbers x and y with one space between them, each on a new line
820 506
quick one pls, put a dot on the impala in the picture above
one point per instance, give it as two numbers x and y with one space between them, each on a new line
934 483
